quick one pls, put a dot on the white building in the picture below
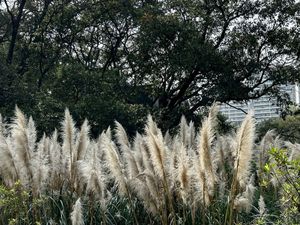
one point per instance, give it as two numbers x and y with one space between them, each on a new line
264 108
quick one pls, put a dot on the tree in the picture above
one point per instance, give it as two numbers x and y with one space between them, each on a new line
288 128
195 52
164 57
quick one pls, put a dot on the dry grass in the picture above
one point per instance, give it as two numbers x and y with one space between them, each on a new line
177 180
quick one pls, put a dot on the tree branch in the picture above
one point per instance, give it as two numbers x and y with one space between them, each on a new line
238 108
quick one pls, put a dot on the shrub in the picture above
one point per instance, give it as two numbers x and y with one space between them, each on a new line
284 169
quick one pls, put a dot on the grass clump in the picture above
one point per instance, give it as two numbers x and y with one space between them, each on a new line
196 176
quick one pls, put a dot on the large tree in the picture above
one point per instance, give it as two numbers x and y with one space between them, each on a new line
168 57
195 52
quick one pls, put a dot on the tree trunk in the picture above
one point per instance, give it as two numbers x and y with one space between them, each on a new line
15 29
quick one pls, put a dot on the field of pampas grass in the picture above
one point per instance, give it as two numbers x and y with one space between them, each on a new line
195 176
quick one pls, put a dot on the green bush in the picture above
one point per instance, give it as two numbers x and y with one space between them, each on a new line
285 173
288 128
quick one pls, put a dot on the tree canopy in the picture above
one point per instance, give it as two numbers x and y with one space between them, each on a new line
114 59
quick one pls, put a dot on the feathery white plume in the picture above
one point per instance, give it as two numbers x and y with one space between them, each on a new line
245 140
183 130
151 126
8 170
69 135
40 166
31 135
207 135
122 138
76 215
21 147
261 206
114 164
168 138
82 142
183 174
90 172
157 152
137 150
244 201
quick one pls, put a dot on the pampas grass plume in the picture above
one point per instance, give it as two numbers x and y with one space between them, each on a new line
7 164
244 200
21 147
157 154
31 135
114 164
83 141
76 215
122 138
245 140
207 135
69 132
261 206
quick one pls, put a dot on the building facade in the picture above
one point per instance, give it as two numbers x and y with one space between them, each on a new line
264 108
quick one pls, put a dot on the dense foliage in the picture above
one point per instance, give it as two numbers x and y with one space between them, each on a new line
195 176
111 59
288 128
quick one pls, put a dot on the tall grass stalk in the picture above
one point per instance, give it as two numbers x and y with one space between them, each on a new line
185 178
245 140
